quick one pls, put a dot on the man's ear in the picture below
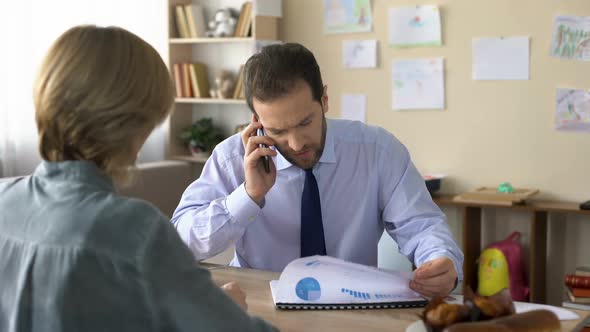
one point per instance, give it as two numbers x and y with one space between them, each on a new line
325 99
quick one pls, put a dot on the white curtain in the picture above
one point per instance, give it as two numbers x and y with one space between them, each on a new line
27 29
17 128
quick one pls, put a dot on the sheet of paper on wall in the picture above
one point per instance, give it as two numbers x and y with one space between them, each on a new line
572 110
354 107
346 16
272 8
500 58
418 84
414 26
359 53
571 37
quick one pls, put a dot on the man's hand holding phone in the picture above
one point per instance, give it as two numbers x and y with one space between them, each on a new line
258 180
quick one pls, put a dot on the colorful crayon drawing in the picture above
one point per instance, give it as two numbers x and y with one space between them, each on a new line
414 26
418 84
345 16
571 38
572 111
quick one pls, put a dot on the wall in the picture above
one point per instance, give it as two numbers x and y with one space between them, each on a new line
491 131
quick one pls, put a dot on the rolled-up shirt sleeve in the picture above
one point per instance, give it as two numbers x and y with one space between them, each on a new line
215 210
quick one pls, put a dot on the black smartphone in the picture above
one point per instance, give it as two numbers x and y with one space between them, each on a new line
266 159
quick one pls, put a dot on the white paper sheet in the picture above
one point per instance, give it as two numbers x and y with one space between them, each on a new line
414 26
571 37
272 8
418 84
359 53
346 16
324 279
500 58
572 110
354 107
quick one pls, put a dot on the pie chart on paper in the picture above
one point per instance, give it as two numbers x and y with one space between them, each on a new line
308 289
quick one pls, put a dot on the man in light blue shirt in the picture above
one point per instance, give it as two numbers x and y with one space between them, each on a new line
365 179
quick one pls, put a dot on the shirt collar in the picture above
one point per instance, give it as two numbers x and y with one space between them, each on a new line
328 155
75 171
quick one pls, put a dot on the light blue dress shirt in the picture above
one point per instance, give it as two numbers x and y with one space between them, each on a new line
75 256
367 183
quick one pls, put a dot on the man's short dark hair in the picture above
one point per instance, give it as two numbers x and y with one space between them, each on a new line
273 72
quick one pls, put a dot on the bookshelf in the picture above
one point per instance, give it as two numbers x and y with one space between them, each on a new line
217 54
211 40
218 101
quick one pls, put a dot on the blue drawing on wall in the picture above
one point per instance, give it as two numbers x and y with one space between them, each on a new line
308 289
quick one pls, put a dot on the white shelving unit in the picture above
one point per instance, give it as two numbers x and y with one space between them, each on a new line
217 54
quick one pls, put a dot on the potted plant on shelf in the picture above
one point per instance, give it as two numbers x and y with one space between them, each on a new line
201 137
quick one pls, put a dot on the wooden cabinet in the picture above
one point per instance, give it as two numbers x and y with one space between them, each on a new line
539 212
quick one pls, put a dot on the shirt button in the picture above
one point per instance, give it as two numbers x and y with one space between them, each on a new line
251 218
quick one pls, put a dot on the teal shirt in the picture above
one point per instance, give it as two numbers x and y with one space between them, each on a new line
75 256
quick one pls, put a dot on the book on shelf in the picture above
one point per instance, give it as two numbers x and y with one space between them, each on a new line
177 72
240 21
244 20
239 83
248 21
202 79
191 80
186 81
181 24
322 282
575 281
194 81
578 295
195 20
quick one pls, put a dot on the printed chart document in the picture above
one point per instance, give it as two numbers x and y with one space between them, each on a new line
322 282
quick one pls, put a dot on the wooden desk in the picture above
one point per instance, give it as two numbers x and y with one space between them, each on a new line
537 265
255 285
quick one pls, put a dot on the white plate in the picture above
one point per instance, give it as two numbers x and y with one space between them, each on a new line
417 326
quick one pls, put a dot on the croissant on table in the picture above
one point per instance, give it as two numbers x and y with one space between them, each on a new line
485 313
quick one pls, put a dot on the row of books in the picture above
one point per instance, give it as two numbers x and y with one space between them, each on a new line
191 81
577 289
189 21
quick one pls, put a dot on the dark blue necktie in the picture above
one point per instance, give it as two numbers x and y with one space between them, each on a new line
312 230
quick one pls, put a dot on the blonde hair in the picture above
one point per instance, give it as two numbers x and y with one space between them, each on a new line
98 92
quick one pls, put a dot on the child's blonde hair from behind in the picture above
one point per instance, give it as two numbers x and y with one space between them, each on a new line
98 94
